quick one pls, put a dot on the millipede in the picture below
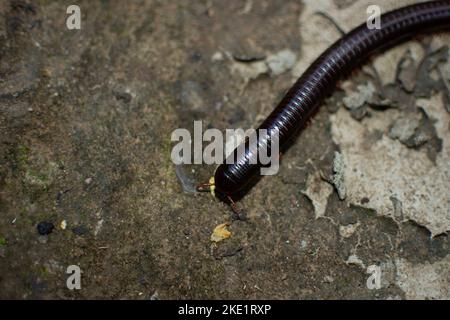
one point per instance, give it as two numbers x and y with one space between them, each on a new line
318 81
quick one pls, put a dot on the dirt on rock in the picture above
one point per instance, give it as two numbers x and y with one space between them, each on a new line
86 118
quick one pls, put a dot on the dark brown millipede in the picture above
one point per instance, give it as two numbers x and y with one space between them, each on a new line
319 80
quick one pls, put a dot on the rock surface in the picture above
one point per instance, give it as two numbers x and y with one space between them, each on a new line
86 118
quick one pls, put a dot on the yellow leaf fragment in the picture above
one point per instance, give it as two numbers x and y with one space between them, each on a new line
220 233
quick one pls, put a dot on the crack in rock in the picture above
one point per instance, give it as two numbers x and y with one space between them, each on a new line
318 191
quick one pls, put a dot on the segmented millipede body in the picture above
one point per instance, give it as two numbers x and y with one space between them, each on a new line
318 81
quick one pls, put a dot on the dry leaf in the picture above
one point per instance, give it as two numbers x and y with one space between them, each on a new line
220 233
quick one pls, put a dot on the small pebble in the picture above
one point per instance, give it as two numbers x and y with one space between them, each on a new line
45 228
218 56
123 96
303 244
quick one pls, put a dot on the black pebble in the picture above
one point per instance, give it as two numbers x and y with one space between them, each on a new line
45 227
123 96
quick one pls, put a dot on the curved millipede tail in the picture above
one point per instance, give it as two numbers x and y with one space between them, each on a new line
320 79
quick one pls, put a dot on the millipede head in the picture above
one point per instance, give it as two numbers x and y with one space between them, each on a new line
207 187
